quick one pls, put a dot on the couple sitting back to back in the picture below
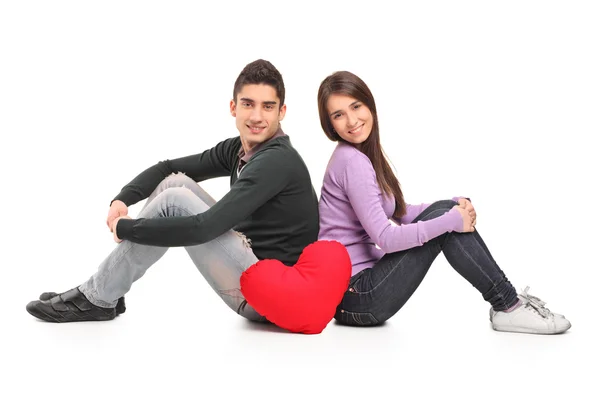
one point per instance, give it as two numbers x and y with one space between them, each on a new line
272 212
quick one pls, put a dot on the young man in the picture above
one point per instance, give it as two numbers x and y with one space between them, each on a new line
270 211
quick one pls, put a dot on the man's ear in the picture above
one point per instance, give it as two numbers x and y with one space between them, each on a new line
232 108
282 111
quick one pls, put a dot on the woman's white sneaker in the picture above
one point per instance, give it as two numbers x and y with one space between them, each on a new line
531 316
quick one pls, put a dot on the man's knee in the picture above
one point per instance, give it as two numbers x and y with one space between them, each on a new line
174 200
177 180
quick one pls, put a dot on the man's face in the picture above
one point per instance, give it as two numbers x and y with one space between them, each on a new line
257 114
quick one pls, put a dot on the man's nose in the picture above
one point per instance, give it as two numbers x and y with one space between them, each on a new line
256 115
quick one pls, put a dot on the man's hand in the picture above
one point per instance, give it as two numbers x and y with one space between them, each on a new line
465 204
117 209
113 227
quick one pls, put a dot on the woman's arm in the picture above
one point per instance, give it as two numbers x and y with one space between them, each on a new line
413 210
360 185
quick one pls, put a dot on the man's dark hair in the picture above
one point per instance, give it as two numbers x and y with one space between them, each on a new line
260 72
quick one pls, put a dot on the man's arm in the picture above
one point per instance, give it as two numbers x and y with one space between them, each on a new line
260 180
211 163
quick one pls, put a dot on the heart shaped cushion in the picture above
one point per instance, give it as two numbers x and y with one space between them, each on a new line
302 298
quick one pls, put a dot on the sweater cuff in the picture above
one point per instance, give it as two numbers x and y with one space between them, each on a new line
456 198
125 228
124 199
454 217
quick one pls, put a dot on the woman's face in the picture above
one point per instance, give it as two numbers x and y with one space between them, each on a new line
351 119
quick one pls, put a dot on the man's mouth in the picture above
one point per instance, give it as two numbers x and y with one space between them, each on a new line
256 129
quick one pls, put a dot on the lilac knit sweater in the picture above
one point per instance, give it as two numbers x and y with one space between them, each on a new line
353 211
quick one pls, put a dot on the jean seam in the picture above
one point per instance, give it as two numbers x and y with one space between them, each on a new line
386 276
403 256
93 292
357 317
479 267
92 298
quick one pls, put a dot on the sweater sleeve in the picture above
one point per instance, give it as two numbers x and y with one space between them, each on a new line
413 211
260 180
211 163
360 184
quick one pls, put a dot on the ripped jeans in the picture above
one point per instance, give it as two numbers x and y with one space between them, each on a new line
221 261
376 294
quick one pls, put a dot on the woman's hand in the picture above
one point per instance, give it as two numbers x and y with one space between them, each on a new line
468 219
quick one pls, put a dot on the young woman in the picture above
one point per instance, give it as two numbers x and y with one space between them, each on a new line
360 195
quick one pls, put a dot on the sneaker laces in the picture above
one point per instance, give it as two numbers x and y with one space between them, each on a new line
535 302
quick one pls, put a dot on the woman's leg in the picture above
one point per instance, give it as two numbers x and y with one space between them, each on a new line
377 293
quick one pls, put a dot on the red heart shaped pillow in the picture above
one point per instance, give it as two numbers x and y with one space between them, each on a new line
302 298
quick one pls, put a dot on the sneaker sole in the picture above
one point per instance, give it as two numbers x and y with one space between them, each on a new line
40 314
526 330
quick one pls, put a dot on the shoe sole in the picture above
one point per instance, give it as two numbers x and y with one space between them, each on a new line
40 314
526 330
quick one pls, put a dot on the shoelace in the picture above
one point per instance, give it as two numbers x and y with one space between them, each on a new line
535 302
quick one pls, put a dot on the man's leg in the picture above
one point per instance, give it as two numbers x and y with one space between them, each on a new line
221 261
175 180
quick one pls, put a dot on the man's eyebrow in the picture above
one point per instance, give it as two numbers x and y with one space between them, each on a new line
338 111
248 100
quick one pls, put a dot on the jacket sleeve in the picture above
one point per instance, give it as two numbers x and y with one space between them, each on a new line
211 163
260 180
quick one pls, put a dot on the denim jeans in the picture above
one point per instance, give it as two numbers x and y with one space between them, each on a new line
221 261
376 294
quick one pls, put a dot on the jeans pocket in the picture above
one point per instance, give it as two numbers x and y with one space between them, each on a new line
355 318
359 284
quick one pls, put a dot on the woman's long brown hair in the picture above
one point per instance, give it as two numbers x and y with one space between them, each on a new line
346 83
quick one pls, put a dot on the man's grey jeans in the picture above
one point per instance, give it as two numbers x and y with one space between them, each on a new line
221 261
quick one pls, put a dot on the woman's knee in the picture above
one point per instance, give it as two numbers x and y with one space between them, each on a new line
443 205
437 209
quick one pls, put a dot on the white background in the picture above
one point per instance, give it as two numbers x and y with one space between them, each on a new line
498 101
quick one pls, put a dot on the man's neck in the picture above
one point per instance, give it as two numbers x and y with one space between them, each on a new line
247 146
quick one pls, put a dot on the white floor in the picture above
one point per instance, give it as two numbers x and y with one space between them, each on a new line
496 101
177 340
